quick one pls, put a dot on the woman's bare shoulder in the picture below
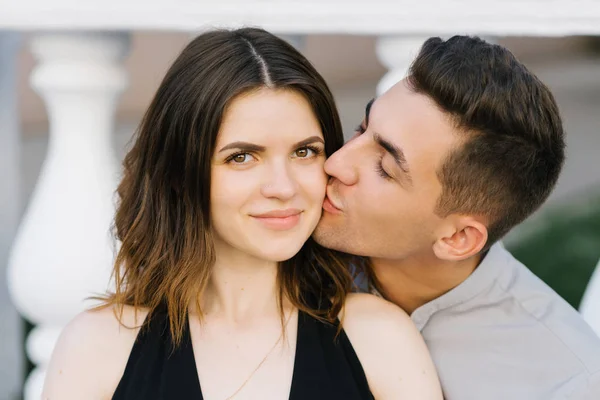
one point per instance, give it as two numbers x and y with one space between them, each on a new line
390 348
91 353
366 316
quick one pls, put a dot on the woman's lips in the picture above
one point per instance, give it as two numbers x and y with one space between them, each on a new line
280 220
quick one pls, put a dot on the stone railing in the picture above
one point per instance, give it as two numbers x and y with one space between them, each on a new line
63 251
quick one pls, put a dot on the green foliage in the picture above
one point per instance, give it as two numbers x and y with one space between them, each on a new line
565 249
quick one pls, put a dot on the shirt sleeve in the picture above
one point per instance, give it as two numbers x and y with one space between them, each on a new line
590 390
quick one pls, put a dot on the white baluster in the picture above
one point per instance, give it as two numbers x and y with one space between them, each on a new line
10 208
590 303
63 252
396 53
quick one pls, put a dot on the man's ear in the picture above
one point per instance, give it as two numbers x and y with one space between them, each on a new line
462 238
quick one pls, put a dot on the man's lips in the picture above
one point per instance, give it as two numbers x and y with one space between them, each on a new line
330 207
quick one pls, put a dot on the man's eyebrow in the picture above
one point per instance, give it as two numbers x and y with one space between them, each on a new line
395 151
244 146
368 110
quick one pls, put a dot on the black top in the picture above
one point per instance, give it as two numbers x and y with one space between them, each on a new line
325 367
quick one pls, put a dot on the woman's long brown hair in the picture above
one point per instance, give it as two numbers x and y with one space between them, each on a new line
162 221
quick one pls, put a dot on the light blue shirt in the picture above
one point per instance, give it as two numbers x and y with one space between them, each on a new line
503 334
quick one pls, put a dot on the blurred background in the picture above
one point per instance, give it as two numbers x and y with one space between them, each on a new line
560 243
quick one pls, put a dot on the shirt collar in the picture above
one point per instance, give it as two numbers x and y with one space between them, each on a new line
485 274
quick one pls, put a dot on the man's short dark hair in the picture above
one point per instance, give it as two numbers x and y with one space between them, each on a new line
513 147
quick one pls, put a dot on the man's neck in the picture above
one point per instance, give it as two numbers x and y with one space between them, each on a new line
411 283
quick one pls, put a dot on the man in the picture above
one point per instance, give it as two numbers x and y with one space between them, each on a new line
444 164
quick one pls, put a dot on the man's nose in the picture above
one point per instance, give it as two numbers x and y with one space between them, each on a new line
342 164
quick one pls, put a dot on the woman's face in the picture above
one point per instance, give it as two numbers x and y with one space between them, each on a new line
267 176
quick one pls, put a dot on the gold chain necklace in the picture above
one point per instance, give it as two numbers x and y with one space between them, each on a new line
262 361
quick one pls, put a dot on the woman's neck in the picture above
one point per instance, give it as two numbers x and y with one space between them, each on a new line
241 289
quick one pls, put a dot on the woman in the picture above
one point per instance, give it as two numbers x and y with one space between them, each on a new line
220 292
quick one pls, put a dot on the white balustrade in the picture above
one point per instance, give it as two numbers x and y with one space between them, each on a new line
396 53
63 252
357 17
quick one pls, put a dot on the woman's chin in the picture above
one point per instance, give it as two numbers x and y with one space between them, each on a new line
279 253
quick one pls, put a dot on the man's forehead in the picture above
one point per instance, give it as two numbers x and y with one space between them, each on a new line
383 110
414 123
402 105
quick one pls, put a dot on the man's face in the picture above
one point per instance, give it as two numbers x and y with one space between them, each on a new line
384 187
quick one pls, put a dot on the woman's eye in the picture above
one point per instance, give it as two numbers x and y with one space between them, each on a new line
303 152
240 158
307 152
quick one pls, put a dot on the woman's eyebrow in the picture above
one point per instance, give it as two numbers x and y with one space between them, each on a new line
247 146
243 146
309 140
